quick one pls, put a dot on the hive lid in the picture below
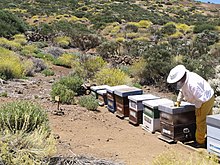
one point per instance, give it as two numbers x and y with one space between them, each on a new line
124 92
155 103
102 92
213 120
142 97
99 87
171 109
113 88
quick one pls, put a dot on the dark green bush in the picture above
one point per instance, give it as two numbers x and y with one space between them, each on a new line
66 95
89 102
201 27
66 88
72 82
22 115
48 72
10 24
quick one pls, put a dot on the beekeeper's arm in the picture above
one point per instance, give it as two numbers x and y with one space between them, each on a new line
179 98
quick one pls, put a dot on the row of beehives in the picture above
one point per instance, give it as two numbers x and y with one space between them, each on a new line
156 114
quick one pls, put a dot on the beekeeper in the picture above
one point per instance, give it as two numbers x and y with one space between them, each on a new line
196 90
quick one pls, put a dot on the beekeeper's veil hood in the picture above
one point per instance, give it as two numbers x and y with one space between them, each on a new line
176 74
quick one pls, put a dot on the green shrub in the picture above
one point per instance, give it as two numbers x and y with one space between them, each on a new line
22 116
4 94
10 24
10 65
72 82
48 72
168 29
66 88
63 41
111 76
65 60
45 56
66 95
29 50
89 102
25 136
20 38
201 27
12 45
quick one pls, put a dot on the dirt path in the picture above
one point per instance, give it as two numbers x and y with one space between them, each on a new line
103 135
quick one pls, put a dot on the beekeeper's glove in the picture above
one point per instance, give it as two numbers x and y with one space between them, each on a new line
177 104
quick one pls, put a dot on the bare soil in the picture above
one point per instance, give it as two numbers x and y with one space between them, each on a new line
98 133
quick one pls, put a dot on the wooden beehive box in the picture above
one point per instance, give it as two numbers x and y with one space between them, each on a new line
213 134
177 123
151 114
102 97
136 107
122 102
111 104
94 89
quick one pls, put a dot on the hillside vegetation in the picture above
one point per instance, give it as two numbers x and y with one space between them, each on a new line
110 42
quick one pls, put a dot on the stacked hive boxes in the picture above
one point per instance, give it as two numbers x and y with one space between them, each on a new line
111 104
122 102
102 97
136 107
94 89
151 116
177 123
213 134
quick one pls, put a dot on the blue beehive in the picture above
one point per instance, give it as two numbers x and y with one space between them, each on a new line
213 134
111 97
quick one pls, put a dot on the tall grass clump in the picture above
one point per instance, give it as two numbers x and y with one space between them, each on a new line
25 136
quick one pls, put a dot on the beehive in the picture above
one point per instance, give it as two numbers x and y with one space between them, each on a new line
213 134
111 104
151 115
94 89
136 107
122 102
177 123
102 97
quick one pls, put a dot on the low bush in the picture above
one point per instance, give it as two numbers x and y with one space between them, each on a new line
11 45
22 116
89 102
62 41
25 136
20 38
29 50
48 72
72 82
66 88
66 95
201 27
111 76
65 60
10 65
